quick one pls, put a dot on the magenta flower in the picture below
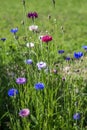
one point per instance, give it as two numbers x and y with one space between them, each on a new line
46 38
24 112
21 80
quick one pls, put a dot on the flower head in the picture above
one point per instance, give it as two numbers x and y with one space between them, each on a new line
21 80
29 61
41 65
61 51
32 15
39 86
84 47
31 45
3 39
78 55
33 28
67 58
12 92
46 38
76 116
24 112
14 30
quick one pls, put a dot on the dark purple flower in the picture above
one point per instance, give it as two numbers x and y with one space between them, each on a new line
76 116
3 39
67 58
32 15
78 55
39 86
24 112
12 92
21 80
61 51
35 15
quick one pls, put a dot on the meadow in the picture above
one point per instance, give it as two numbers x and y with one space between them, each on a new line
43 68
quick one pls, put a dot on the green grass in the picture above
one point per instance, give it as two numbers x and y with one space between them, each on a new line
52 108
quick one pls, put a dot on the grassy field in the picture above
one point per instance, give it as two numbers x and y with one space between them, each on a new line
61 105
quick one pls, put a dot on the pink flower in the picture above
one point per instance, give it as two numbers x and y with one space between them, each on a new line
33 28
24 112
46 38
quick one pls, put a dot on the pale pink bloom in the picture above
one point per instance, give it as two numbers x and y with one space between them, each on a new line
33 28
41 65
24 112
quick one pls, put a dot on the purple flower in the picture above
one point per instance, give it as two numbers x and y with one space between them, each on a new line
76 116
3 39
78 55
12 92
67 58
39 86
41 65
29 61
61 51
24 112
21 80
32 15
14 30
84 47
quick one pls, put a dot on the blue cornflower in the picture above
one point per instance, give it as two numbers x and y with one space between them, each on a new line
76 116
67 58
29 61
3 39
61 51
39 86
12 92
14 30
84 47
78 55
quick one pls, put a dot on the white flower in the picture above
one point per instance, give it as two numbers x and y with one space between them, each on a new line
40 37
31 45
41 65
33 28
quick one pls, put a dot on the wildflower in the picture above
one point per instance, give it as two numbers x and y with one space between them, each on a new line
33 28
46 38
84 47
24 112
61 51
67 58
54 71
12 92
63 78
21 80
41 65
29 61
31 45
39 86
40 37
3 39
78 55
14 30
32 15
76 116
